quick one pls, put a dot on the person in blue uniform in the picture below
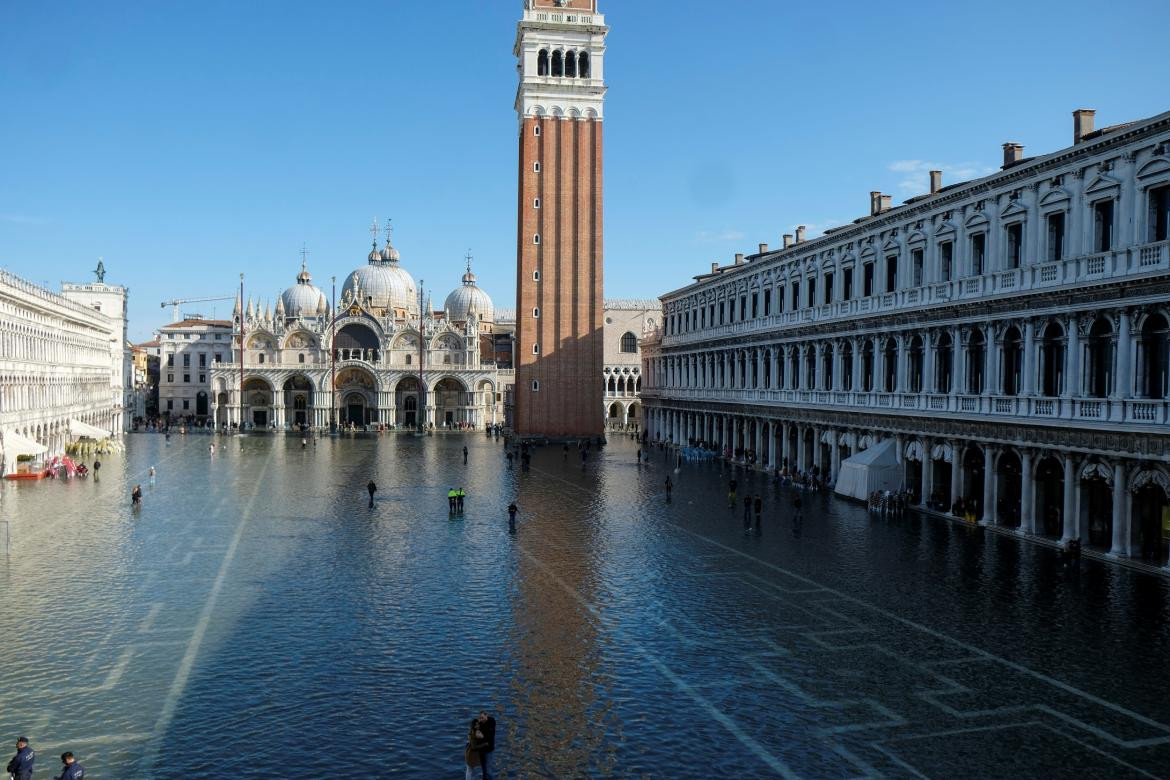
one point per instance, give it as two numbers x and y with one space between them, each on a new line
71 770
21 765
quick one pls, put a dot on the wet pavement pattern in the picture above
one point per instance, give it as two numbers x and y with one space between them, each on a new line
255 615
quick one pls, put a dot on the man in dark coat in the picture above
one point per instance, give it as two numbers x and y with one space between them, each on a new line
71 769
21 765
487 726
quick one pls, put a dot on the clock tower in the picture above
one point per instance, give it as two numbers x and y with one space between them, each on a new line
560 48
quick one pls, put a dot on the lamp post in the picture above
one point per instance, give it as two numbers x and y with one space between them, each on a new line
333 359
422 356
242 317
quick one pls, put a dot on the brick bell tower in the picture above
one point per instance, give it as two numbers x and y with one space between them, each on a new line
560 47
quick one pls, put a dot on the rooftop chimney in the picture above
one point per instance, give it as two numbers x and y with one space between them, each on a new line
763 249
800 234
1012 154
787 240
739 258
875 203
935 181
885 203
1082 123
714 268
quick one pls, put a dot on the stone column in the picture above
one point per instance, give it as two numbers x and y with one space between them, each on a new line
1123 378
1120 507
989 514
956 472
990 361
772 463
1070 494
1072 359
816 453
1029 361
1027 493
784 453
774 370
926 486
759 444
835 455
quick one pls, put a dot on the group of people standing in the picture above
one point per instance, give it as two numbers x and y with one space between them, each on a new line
22 764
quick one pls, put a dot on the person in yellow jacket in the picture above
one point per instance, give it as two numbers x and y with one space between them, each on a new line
452 497
459 496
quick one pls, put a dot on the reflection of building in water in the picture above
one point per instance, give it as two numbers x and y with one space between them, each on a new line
1005 341
377 347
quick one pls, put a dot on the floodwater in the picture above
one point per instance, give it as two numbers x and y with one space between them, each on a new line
255 616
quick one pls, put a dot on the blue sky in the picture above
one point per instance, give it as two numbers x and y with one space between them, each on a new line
186 142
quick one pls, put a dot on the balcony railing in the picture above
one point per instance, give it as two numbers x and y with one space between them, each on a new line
1137 260
1137 411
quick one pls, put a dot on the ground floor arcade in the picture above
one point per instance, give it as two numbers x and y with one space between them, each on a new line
1112 503
357 396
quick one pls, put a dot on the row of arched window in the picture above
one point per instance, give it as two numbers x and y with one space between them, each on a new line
563 64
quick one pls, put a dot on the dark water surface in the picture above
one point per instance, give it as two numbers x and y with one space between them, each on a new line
255 616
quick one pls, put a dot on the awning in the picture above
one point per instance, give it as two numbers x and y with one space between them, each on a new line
15 445
78 428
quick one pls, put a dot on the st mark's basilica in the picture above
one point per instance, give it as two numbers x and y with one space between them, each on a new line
387 343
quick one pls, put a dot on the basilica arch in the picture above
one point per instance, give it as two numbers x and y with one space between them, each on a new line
452 402
357 396
258 399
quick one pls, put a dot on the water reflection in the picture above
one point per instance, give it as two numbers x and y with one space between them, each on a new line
256 602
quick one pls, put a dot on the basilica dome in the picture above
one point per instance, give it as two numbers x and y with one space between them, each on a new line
302 299
383 283
469 297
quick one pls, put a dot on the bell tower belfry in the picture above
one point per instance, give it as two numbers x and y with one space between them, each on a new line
560 50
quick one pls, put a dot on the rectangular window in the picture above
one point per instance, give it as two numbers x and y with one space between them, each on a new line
536 203
186 404
891 273
828 288
203 377
702 318
1014 234
780 299
1055 248
409 358
812 291
946 256
1159 216
218 358
742 308
170 377
795 296
170 405
1103 226
755 305
978 253
186 361
847 285
722 312
202 359
187 378
767 303
867 280
170 361
536 167
916 258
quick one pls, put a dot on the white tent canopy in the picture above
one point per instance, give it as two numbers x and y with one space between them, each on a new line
876 468
15 445
79 428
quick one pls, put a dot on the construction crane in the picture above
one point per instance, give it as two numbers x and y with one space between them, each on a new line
179 301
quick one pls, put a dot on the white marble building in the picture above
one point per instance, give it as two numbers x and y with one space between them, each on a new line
60 373
188 350
1008 334
627 322
291 378
112 300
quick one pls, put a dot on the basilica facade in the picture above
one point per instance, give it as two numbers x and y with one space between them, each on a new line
382 356
1005 339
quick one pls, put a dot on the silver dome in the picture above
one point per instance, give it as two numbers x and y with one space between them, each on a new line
469 296
302 298
382 285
